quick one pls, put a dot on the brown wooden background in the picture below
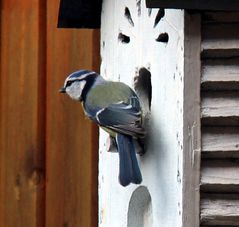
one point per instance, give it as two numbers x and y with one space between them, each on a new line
48 149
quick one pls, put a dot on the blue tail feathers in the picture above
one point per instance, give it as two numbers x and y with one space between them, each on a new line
129 171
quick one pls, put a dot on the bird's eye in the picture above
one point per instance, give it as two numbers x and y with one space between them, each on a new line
69 83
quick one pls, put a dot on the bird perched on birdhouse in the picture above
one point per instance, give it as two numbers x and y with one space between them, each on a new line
115 107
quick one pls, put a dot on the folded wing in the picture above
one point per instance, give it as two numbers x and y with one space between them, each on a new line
122 117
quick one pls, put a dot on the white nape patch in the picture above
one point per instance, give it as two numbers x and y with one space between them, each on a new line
75 89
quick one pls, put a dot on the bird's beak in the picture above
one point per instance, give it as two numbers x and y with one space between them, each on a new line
62 90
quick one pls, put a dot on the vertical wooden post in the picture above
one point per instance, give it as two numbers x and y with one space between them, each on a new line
153 41
72 150
191 121
22 159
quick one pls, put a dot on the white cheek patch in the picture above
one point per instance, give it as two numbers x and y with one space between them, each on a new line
75 90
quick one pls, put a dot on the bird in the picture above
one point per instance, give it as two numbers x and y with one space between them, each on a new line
116 108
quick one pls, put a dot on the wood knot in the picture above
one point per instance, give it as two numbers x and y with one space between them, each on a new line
36 178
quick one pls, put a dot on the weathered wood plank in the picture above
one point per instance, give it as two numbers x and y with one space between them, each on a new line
222 141
220 210
72 147
220 176
219 107
215 43
22 121
216 36
191 119
222 69
220 104
220 74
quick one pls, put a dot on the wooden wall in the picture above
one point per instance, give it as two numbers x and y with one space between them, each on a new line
48 149
220 119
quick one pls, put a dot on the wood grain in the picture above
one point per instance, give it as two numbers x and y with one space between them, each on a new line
72 150
191 119
220 176
220 210
22 156
220 119
220 68
220 104
222 141
220 74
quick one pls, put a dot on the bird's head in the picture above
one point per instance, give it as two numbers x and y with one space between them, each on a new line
79 83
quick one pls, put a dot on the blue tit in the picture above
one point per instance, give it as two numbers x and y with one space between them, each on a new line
115 107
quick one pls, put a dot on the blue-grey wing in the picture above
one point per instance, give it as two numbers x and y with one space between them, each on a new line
122 117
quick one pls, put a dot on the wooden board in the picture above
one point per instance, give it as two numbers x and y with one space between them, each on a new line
22 128
220 141
72 150
220 176
220 209
220 74
219 36
220 119
216 36
220 104
191 121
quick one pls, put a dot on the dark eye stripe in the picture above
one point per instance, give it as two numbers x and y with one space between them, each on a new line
69 83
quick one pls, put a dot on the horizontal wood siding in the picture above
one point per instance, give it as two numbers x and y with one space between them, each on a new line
220 210
221 175
220 73
220 119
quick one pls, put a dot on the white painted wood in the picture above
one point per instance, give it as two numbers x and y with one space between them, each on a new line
220 176
220 210
162 165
